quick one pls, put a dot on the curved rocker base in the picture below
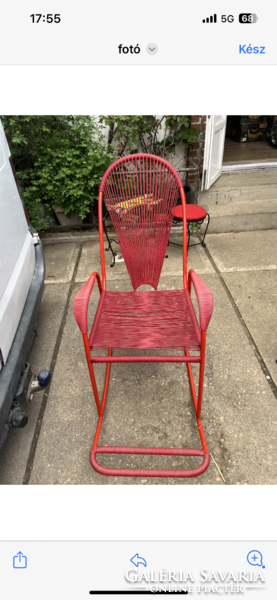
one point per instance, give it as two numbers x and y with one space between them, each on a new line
149 472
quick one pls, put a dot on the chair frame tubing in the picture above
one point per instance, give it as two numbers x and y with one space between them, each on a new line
187 359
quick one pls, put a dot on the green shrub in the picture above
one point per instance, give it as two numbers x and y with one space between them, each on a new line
59 160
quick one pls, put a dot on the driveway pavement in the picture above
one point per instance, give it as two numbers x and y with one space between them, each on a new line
150 404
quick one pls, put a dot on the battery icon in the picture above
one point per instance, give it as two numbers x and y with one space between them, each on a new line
248 18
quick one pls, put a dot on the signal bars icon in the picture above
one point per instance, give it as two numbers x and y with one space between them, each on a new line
212 19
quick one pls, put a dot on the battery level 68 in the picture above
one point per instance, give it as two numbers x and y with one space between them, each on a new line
248 18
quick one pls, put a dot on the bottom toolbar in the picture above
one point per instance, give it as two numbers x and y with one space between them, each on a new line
75 570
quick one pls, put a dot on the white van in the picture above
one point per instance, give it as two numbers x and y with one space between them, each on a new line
21 286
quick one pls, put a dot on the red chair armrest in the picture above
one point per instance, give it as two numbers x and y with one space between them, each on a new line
204 298
80 302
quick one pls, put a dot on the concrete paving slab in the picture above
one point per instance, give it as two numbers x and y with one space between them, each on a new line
150 404
14 455
173 265
239 403
248 251
239 187
197 259
69 236
255 294
90 261
242 216
229 181
247 208
60 261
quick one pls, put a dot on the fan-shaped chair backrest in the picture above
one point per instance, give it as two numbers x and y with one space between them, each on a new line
140 192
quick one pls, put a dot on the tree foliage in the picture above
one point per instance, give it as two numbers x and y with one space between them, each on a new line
149 134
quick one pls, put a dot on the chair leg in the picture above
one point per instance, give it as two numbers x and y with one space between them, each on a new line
109 240
203 240
203 452
99 405
197 400
201 373
131 472
188 235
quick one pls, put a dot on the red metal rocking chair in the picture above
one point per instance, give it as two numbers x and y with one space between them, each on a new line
140 192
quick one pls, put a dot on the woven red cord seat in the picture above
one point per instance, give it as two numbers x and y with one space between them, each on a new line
163 319
141 193
194 212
